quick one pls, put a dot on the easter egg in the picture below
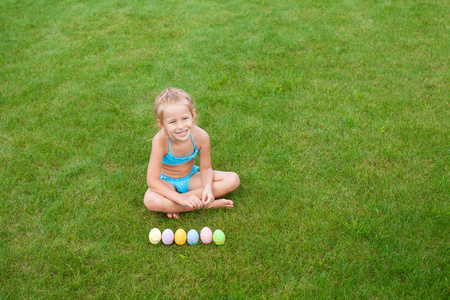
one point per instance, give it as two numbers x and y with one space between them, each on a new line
192 237
206 235
154 236
167 236
219 237
180 237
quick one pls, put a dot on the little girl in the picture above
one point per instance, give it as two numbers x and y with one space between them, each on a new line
174 184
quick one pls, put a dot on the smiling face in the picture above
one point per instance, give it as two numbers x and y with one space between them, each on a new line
177 120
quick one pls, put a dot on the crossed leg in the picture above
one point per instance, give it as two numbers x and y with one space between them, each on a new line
223 183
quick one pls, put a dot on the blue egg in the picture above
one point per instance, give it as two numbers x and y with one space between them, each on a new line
192 237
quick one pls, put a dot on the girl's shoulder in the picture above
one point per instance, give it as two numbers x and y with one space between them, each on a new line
199 135
160 139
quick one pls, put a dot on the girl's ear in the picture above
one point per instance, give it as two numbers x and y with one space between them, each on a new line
160 124
194 114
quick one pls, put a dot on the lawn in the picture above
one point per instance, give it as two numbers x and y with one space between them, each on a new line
335 114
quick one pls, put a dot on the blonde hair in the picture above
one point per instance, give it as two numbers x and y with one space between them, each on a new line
172 96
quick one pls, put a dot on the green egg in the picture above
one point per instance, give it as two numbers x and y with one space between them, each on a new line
219 237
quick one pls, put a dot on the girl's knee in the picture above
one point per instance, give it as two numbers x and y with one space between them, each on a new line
234 179
150 200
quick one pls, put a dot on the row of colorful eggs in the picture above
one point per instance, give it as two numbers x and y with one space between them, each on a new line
192 237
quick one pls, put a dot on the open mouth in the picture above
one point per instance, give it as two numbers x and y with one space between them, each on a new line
182 133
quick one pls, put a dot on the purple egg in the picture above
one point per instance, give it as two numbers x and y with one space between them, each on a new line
167 236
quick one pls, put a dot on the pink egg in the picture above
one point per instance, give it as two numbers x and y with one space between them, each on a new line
206 235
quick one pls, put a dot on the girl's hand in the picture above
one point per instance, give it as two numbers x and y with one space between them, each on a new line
192 201
207 198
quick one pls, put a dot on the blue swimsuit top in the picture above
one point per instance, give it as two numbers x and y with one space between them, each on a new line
169 159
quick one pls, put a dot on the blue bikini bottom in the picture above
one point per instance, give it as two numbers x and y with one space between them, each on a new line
181 184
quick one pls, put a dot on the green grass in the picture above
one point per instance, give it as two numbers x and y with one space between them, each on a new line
334 113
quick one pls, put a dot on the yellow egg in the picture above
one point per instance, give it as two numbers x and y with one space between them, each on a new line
180 237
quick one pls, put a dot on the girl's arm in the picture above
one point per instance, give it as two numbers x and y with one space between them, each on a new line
206 171
154 171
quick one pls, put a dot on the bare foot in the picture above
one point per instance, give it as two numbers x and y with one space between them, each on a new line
222 203
174 215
